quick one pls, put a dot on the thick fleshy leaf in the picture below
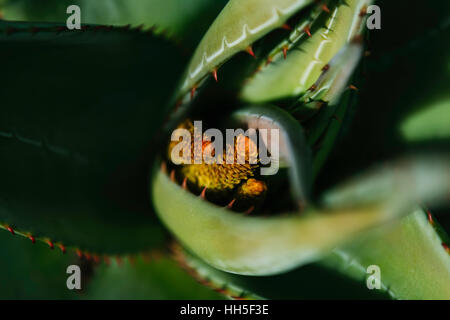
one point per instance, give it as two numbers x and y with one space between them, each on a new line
33 271
404 182
236 28
306 62
410 255
292 149
145 278
79 116
412 260
403 96
186 19
313 281
269 245
430 122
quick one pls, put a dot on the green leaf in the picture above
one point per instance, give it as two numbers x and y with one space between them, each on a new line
236 28
33 271
78 124
258 245
429 122
412 260
405 74
186 19
312 281
326 127
157 278
410 255
305 63
293 151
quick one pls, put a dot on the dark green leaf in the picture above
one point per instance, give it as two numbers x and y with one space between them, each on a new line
30 271
404 78
186 19
159 278
308 282
78 119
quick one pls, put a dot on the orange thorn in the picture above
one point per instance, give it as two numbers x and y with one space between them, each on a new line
60 29
358 39
307 31
230 205
145 256
337 118
430 217
269 61
172 175
156 255
301 206
446 248
96 259
10 230
286 27
163 167
11 30
285 49
107 260
33 240
79 253
352 87
88 256
313 88
193 90
219 290
319 105
50 244
203 194
249 50
250 210
132 260
326 67
325 8
177 105
214 73
363 12
35 30
184 184
63 249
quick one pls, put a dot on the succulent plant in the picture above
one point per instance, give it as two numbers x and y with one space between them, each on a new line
362 149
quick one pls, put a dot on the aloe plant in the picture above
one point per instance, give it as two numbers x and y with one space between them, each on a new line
364 171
